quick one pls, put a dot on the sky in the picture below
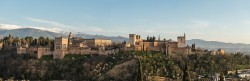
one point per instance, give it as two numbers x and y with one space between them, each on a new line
213 20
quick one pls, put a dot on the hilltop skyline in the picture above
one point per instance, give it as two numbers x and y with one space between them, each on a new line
224 20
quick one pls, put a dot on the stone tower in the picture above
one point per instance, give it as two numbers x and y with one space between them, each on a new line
69 40
60 47
181 41
132 39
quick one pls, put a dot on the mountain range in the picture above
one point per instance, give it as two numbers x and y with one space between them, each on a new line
23 32
214 45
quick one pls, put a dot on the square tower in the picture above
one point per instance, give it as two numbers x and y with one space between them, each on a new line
61 43
132 39
60 47
181 41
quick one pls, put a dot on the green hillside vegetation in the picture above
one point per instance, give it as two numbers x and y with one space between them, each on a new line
124 66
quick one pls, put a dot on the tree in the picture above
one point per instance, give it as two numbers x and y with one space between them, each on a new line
41 41
169 66
154 38
10 36
140 78
48 42
222 78
186 75
236 73
29 40
148 38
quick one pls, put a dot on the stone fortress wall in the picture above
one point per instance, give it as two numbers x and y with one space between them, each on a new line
78 45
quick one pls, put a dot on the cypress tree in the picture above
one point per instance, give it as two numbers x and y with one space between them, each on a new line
140 77
147 38
186 75
221 76
236 73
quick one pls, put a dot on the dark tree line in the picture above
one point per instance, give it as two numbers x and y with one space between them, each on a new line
10 41
151 39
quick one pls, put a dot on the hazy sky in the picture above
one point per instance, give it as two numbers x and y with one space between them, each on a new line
219 20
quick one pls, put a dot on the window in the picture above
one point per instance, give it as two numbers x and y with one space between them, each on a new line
64 46
57 47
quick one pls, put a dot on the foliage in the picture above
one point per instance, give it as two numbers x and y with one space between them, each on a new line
222 76
9 41
204 64
186 75
141 75
156 64
150 39
151 63
47 57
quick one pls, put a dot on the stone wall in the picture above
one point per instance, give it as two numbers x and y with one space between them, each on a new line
1 45
21 50
79 51
43 51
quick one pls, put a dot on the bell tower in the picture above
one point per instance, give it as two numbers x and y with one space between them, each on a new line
69 40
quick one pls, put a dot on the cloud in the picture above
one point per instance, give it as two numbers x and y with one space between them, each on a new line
96 29
84 28
12 26
47 22
200 24
9 26
52 23
57 30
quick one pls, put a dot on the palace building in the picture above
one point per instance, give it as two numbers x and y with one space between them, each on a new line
78 45
71 45
171 47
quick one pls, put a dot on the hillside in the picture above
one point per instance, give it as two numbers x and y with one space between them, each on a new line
124 71
72 67
124 66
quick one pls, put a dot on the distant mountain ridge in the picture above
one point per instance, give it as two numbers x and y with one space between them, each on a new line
216 44
24 32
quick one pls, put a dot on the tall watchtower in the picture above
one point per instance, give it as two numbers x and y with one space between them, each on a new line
181 41
69 40
61 45
132 39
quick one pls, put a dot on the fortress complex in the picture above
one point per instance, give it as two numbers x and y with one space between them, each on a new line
78 45
71 45
171 47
